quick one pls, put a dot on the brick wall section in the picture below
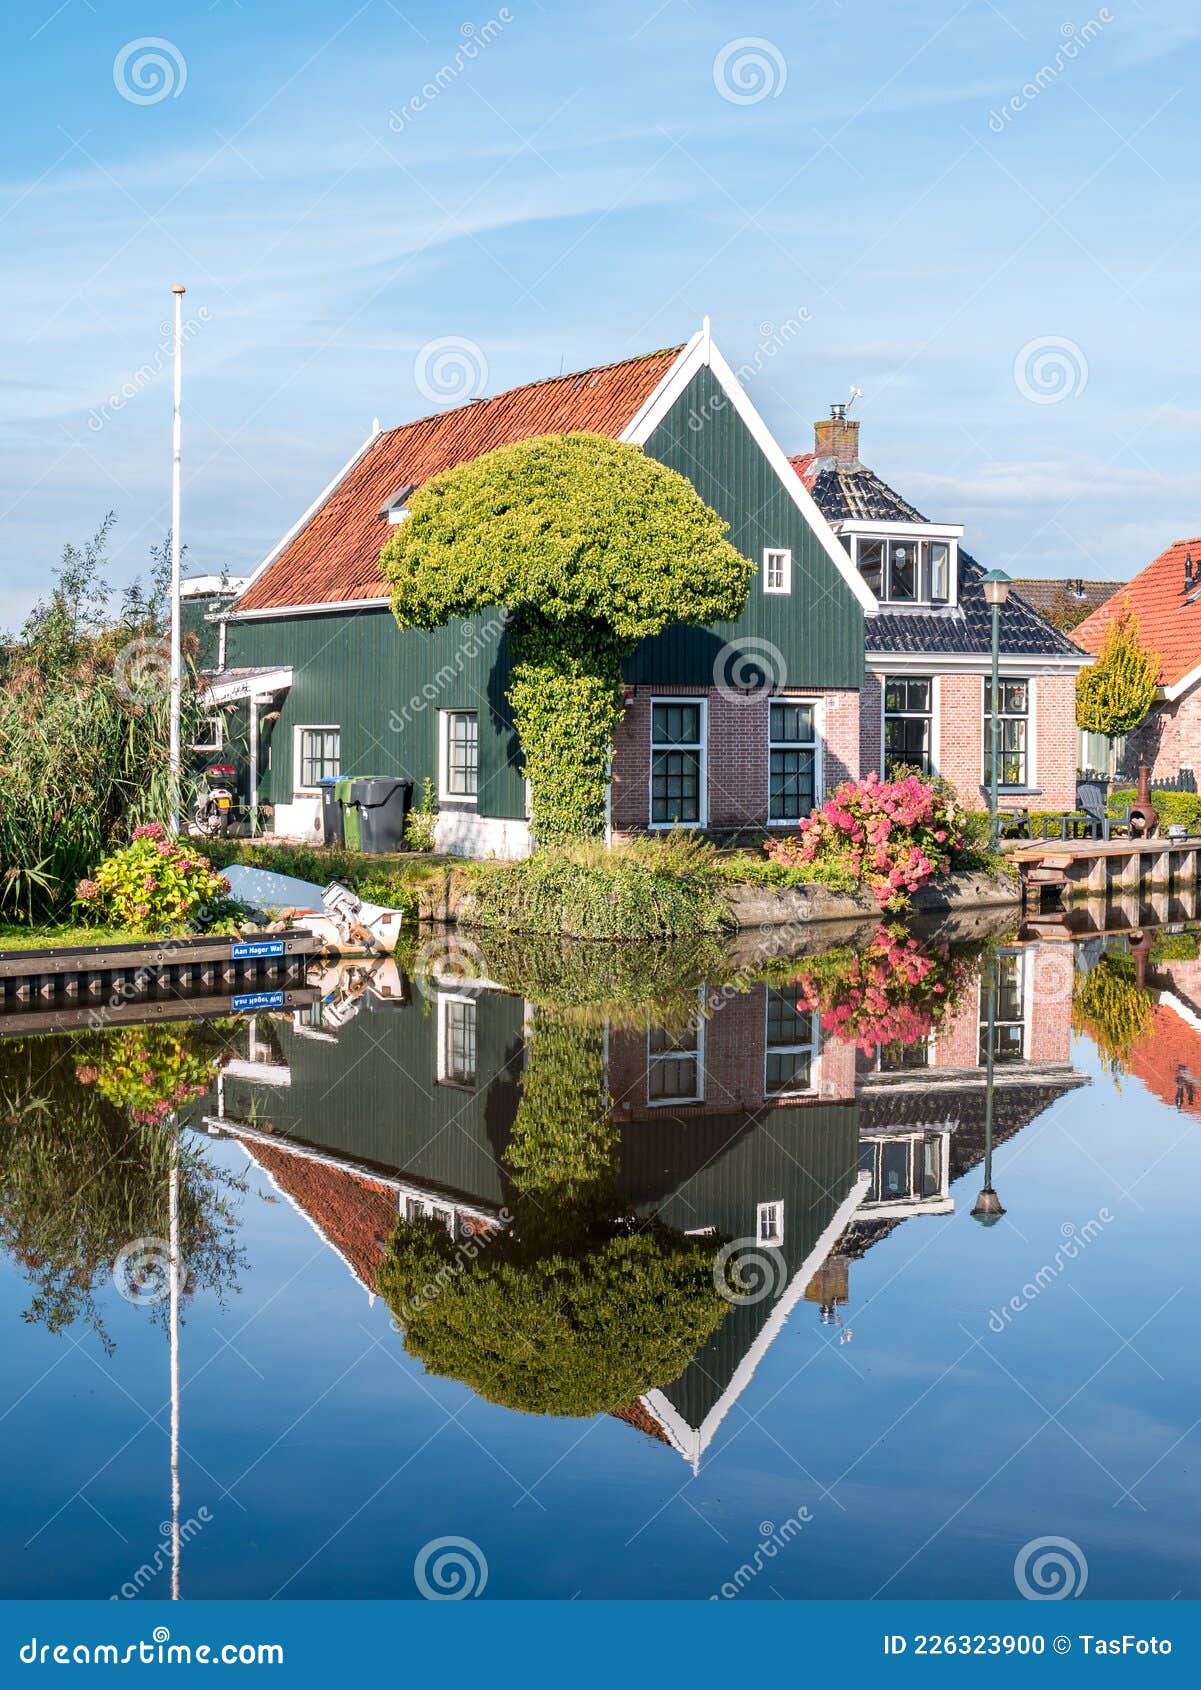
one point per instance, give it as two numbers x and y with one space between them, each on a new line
737 753
1169 740
1049 975
734 1063
959 731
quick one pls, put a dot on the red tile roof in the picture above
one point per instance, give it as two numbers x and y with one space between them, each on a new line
1167 1059
355 1213
335 556
1167 621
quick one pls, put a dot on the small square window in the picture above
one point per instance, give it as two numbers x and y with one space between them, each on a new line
769 1225
210 734
777 571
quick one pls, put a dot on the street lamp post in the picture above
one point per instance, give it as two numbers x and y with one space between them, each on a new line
996 585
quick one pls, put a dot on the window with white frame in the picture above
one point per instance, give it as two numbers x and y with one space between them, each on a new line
423 1208
457 1060
210 733
903 1166
675 1062
792 760
460 755
1013 736
318 756
678 763
777 571
791 1045
769 1223
1009 1012
905 570
908 721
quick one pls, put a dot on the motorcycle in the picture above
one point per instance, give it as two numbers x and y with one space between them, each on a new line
213 810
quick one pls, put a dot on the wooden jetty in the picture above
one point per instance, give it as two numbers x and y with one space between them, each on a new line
108 978
1098 868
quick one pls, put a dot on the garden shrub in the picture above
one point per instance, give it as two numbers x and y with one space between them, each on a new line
422 820
151 1071
156 885
646 888
742 869
1173 809
1109 1006
893 835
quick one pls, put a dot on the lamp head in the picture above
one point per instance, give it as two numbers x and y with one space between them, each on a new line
996 585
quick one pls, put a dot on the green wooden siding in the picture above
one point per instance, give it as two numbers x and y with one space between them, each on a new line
358 671
818 627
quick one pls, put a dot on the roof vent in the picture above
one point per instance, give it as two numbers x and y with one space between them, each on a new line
397 507
1189 578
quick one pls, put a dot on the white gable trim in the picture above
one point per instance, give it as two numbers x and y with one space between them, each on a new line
702 351
310 512
1180 687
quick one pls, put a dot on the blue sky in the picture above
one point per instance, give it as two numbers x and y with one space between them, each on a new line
1012 285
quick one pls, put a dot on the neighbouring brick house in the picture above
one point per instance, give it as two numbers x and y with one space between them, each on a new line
925 698
1065 604
1166 598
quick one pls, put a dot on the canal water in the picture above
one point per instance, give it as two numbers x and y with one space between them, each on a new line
532 1271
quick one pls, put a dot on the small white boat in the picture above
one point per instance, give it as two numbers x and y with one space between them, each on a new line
344 922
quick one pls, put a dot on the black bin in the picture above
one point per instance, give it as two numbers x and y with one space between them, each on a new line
383 803
331 811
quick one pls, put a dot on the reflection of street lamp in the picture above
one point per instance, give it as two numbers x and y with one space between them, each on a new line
996 585
988 1210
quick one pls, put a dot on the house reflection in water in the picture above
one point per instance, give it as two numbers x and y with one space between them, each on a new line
739 1122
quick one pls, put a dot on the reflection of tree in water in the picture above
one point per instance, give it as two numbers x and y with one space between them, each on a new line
576 1308
85 1167
1110 1006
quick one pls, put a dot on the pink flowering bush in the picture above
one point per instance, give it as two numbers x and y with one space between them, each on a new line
151 1071
893 992
892 834
155 885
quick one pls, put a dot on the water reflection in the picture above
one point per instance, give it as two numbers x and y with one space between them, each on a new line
586 1183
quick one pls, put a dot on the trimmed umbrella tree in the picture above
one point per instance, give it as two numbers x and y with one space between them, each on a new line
590 546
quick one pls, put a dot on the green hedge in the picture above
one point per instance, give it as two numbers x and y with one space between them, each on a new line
1174 809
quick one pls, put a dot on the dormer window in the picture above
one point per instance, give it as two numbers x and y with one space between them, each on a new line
397 507
910 563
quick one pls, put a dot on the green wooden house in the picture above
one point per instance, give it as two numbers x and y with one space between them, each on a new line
729 726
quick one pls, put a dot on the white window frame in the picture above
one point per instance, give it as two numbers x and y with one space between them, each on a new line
931 715
1030 784
782 553
774 1238
703 748
819 744
1021 957
854 533
216 743
445 796
653 1057
298 733
445 1077
813 1044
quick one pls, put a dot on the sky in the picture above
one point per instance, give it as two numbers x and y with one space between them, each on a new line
982 215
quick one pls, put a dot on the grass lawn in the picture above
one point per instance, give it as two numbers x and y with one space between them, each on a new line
38 937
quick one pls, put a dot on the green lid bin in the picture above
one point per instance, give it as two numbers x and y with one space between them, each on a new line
350 813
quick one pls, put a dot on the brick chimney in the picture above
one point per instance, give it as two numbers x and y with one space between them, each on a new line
836 438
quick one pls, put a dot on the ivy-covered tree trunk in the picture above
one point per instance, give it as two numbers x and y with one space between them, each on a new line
566 695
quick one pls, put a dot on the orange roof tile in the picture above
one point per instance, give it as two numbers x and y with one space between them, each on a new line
335 556
1167 1059
355 1213
1167 619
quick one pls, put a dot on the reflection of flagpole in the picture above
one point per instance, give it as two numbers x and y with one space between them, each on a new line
173 1281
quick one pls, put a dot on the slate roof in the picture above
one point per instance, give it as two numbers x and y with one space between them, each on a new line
334 558
845 493
1168 611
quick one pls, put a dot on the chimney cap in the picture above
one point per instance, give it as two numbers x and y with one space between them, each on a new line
839 411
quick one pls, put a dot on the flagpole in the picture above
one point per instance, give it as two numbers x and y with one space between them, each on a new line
176 652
